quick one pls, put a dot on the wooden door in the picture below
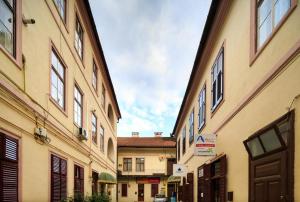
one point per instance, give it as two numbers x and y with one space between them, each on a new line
268 178
140 192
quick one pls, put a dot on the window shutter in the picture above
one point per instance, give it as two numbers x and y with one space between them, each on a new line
63 179
9 179
124 190
223 179
81 180
154 190
55 182
8 169
58 178
207 183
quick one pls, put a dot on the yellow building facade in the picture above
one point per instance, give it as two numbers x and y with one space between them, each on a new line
144 165
59 113
244 88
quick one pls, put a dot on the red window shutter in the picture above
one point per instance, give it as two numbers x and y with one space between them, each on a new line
8 169
58 179
63 178
154 190
124 190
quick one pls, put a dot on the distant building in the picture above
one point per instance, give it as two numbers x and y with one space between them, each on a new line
58 109
244 88
144 165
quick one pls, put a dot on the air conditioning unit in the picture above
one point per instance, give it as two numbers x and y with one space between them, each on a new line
41 132
83 134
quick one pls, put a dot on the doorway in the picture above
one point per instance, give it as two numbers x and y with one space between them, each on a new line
271 160
171 190
140 192
268 178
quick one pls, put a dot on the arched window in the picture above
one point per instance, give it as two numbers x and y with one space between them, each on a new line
110 115
110 150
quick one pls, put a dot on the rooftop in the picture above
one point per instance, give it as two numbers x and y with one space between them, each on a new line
147 142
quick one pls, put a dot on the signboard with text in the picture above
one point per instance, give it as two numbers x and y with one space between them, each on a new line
148 180
179 170
205 145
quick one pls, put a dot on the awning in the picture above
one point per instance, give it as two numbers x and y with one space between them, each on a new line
174 179
107 178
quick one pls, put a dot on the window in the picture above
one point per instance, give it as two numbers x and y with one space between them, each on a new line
58 178
191 129
183 139
103 97
140 164
7 25
201 114
78 180
269 14
178 150
61 7
272 138
217 80
8 168
57 80
95 77
110 115
101 139
127 164
124 190
78 106
154 190
79 38
213 180
94 128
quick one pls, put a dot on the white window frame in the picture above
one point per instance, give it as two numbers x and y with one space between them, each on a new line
202 106
217 69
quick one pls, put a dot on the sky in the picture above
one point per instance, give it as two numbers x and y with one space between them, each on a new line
150 47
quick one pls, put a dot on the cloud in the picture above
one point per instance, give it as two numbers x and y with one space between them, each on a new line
150 48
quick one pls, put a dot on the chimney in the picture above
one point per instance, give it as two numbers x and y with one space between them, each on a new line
135 134
157 134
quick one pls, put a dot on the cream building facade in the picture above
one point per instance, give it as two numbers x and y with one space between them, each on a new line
59 113
144 165
244 87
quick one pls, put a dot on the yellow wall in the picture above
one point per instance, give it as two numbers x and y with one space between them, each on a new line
155 162
239 81
25 95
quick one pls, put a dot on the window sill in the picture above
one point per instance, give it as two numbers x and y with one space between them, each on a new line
201 127
58 106
16 62
255 53
218 106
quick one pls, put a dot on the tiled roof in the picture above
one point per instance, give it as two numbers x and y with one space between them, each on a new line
148 142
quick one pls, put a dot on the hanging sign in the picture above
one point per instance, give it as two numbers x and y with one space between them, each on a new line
205 145
179 170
